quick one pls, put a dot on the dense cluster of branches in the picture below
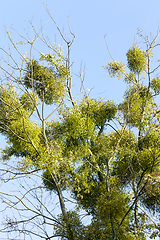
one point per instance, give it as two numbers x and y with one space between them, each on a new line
101 156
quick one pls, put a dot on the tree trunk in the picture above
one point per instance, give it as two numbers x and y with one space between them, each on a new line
110 215
63 209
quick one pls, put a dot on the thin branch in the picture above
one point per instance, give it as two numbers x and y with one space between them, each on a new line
71 32
156 224
62 35
108 48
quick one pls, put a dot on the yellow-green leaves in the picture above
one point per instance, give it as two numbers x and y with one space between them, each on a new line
100 111
29 100
151 197
115 69
23 135
54 59
77 151
136 59
132 105
155 85
136 62
131 78
48 81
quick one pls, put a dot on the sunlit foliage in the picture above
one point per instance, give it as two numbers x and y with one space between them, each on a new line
106 156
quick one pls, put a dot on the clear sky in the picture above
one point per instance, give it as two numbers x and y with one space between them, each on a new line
90 21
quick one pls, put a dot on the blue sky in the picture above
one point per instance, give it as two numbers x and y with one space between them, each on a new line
90 21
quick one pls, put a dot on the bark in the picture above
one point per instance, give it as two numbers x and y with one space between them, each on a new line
110 215
63 209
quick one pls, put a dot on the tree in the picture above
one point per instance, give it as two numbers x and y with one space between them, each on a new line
105 156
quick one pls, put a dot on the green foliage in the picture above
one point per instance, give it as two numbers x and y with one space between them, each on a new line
106 172
16 125
151 197
131 78
49 182
155 85
113 205
126 163
100 111
29 101
115 69
49 82
77 226
81 125
136 103
134 157
136 60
